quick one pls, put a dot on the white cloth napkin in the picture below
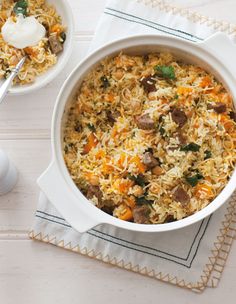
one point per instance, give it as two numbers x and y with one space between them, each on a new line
192 257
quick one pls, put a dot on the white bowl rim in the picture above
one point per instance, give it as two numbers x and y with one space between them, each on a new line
100 216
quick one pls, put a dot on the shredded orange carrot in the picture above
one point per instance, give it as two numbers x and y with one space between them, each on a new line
127 215
31 52
123 186
114 132
121 160
106 168
92 142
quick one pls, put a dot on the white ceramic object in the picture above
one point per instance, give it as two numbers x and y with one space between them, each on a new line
64 10
215 55
8 174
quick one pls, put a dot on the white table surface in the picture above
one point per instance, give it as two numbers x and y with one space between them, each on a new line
32 272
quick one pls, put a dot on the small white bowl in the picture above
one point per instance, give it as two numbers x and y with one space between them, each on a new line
64 10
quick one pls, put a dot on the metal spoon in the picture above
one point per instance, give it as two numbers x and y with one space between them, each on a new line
8 83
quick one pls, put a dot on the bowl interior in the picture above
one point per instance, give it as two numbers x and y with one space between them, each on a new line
64 10
191 54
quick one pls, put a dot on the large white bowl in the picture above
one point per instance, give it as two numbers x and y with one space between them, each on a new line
64 10
214 54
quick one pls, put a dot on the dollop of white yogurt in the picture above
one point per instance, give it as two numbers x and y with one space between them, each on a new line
24 32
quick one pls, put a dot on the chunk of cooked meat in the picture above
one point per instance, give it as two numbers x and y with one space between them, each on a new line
94 191
112 117
149 160
145 122
232 115
181 196
148 83
170 218
141 214
108 207
179 117
181 138
55 44
218 107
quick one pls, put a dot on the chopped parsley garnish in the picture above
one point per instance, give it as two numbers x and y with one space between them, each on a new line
162 131
21 7
91 127
105 82
193 180
190 147
164 71
176 96
208 154
139 180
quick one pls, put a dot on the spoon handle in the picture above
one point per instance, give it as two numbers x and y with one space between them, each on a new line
8 83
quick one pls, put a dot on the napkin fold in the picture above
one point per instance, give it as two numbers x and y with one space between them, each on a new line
193 257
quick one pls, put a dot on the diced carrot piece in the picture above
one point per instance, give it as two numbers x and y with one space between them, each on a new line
93 179
227 122
203 189
125 186
92 143
127 215
31 52
109 97
206 82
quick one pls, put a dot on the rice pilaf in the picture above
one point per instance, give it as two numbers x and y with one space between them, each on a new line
150 139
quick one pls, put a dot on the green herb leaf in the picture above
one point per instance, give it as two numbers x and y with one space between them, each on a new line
105 82
176 96
164 71
139 180
21 7
208 154
91 127
193 180
190 147
162 131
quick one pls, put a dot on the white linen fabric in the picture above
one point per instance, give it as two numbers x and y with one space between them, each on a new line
192 257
